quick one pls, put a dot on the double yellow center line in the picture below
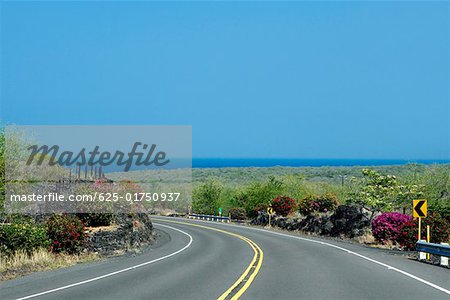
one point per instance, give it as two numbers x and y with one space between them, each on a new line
245 280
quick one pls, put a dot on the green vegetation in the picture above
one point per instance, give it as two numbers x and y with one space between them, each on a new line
384 192
243 192
318 203
237 213
22 237
385 188
205 197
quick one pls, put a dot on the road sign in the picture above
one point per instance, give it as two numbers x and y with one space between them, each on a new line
419 208
220 211
270 210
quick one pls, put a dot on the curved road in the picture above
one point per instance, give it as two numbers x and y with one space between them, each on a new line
206 260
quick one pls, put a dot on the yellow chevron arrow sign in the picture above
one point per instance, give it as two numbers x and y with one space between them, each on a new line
419 208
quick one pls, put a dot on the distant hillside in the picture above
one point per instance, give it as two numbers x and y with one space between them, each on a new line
242 176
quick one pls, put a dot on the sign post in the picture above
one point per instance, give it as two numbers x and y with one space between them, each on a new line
420 229
420 211
270 213
428 239
220 211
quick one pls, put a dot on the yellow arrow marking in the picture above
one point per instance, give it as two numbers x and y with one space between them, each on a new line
419 208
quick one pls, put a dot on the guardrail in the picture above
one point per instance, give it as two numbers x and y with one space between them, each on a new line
209 218
443 250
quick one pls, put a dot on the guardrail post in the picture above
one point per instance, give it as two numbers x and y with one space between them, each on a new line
444 260
422 255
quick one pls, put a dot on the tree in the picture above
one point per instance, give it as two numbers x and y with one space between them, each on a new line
436 182
377 191
205 197
257 194
384 193
407 193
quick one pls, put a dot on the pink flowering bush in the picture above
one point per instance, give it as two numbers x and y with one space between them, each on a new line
66 234
388 226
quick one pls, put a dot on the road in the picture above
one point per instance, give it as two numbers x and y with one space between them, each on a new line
206 260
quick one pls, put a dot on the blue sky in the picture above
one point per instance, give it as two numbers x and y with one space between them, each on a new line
254 79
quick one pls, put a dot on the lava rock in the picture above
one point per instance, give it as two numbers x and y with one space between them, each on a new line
350 220
133 231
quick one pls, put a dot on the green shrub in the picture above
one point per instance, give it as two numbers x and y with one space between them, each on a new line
22 237
237 213
442 207
205 197
318 203
258 193
66 233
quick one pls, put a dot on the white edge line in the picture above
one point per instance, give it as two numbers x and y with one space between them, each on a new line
119 271
350 252
363 257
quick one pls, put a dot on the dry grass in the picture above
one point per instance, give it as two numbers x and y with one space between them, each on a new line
102 228
21 263
366 238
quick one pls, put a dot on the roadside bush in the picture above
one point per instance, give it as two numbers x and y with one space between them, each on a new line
442 207
22 237
318 203
260 207
283 205
258 193
388 226
237 213
439 231
408 235
66 233
440 228
306 205
205 197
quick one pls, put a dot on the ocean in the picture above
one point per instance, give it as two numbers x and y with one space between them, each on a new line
274 162
301 162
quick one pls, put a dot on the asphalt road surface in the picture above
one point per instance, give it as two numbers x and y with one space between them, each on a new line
207 260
